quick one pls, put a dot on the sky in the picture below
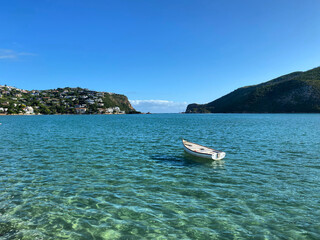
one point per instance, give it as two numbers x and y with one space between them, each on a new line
162 54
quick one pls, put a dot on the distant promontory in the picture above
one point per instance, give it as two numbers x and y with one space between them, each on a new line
297 92
62 101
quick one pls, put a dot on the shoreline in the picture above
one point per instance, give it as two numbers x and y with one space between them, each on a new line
60 114
69 114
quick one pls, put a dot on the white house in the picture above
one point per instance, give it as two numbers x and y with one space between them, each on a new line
109 110
2 110
28 110
90 101
80 106
116 109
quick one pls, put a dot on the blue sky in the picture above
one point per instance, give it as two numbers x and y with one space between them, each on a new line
161 54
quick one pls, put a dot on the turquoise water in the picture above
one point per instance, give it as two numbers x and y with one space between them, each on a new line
127 177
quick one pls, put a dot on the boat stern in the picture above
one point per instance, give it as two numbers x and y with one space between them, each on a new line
218 156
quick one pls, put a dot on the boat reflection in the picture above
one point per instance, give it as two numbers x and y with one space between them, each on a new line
215 164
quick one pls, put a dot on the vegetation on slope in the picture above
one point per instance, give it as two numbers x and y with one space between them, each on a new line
62 101
295 92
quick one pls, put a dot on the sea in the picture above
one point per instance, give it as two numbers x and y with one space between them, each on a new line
127 177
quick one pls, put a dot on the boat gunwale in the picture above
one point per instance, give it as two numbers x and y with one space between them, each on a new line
216 151
207 154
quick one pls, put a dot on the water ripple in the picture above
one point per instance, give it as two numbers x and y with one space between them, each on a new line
127 177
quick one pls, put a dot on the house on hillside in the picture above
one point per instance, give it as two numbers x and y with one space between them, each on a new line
90 101
3 110
80 105
102 110
5 104
116 110
28 110
81 110
109 110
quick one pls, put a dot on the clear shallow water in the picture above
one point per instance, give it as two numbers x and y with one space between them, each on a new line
126 177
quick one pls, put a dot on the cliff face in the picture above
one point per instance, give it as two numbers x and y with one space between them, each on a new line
113 99
295 92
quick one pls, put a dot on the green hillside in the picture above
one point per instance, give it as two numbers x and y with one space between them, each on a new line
297 92
62 101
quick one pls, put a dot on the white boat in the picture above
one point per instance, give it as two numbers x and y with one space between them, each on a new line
202 151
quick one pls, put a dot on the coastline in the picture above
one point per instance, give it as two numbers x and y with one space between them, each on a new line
21 114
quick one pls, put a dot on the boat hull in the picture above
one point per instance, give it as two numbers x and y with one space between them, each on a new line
216 156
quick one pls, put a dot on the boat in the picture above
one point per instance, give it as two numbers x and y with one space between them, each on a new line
202 151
